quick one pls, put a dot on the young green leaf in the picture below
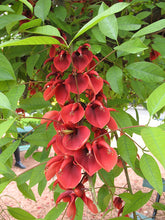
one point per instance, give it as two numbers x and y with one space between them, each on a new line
108 26
127 150
79 209
156 26
20 214
4 102
8 152
30 64
114 76
56 211
41 9
31 24
135 201
159 206
42 185
14 95
128 23
27 4
6 69
35 40
103 197
4 126
154 139
9 19
45 30
156 100
146 71
37 175
151 172
112 10
6 8
26 191
132 46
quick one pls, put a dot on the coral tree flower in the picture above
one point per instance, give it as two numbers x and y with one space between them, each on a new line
105 155
72 113
70 197
97 114
82 57
67 171
62 61
154 54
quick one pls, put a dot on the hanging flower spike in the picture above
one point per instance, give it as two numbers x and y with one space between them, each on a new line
82 57
77 136
62 61
72 113
105 155
79 86
86 159
97 114
154 54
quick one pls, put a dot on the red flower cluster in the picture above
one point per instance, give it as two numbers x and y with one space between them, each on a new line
34 87
79 142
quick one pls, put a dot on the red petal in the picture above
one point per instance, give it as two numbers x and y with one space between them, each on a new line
104 154
82 83
49 93
87 161
62 61
112 124
90 204
97 114
70 175
95 81
72 113
62 93
77 139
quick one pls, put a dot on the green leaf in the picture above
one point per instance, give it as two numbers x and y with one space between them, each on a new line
34 179
41 186
4 184
128 23
106 177
60 12
151 172
158 44
114 76
6 70
4 102
41 136
30 64
6 8
132 46
154 139
26 191
8 152
146 71
4 126
112 10
55 212
36 40
156 26
127 150
159 206
9 19
45 30
79 209
22 178
156 100
20 214
27 4
35 102
42 8
5 140
103 197
14 95
135 201
108 26
34 23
